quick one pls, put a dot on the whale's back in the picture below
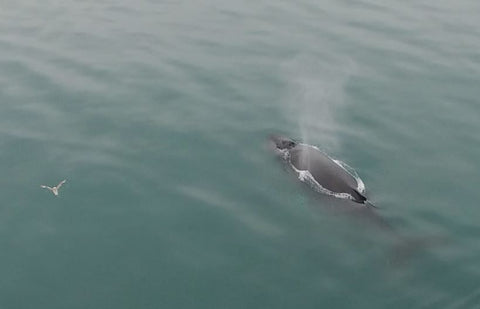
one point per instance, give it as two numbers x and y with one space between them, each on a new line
329 174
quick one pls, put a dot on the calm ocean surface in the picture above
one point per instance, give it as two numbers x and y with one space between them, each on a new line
157 112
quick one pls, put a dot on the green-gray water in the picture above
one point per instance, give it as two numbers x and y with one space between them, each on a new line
156 113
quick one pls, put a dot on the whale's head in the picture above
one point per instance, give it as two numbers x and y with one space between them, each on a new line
282 142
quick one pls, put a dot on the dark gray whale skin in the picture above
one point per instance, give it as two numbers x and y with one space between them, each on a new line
326 172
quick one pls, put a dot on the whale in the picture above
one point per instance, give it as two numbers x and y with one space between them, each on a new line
347 191
323 173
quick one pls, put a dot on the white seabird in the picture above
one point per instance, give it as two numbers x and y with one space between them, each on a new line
54 189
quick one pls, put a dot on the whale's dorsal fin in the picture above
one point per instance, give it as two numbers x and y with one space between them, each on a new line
359 197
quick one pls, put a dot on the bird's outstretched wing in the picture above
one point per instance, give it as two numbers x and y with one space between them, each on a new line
61 183
46 187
